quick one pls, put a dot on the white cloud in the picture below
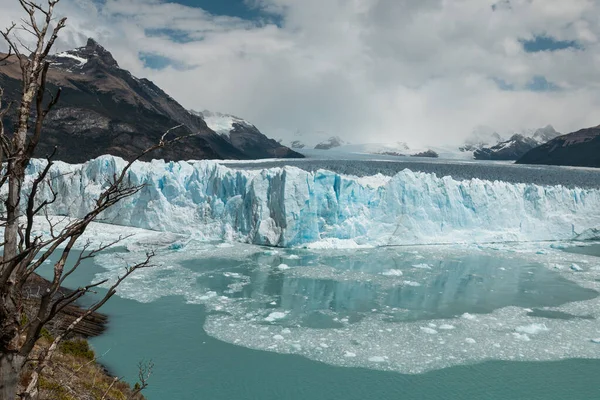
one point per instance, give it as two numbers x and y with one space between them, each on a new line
367 70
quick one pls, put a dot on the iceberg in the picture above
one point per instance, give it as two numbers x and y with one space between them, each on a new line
289 207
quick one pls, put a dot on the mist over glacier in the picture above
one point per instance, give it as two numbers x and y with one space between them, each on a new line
288 206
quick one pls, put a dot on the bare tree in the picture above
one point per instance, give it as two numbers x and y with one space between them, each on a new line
24 251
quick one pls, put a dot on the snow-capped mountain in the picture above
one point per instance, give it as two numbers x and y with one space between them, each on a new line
244 135
104 109
517 146
480 137
221 123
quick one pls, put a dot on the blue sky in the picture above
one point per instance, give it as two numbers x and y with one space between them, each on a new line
232 8
548 43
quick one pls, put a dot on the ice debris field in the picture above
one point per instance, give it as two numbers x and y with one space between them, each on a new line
335 291
443 305
289 207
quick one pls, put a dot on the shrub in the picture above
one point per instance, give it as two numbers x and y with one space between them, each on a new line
78 348
45 333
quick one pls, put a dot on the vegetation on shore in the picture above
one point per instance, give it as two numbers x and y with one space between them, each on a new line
74 373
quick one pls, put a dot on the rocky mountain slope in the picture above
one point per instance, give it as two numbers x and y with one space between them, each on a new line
581 149
104 109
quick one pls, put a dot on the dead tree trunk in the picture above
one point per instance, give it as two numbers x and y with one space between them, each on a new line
24 251
11 365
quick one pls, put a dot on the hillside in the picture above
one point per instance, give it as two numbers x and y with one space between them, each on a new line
580 149
104 109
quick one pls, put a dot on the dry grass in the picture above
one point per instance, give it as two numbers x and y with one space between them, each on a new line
74 374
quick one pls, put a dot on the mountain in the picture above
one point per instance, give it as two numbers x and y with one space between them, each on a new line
426 154
104 109
545 134
510 149
580 149
515 147
296 144
480 137
243 135
334 141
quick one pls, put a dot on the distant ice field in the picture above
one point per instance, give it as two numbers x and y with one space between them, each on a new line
367 165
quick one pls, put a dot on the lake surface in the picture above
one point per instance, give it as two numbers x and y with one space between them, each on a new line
243 322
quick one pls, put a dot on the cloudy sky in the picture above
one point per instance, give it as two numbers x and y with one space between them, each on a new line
421 71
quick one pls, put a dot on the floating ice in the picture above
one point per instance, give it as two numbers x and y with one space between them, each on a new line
333 306
447 327
422 266
521 336
576 268
532 329
470 317
392 272
274 316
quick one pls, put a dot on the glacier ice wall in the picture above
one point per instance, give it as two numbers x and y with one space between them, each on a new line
288 206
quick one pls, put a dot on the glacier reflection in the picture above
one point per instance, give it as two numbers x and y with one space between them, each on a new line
319 290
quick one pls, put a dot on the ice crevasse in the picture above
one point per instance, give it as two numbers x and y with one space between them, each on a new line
288 206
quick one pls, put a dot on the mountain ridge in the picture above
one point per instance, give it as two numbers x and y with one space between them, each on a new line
104 109
578 149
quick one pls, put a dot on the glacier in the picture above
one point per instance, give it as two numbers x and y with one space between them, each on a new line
289 207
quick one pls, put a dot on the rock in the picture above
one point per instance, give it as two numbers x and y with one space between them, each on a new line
427 154
296 144
334 141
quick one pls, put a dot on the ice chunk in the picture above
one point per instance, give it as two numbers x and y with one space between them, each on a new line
532 329
276 315
428 330
447 327
283 267
349 354
521 336
377 359
576 268
392 272
422 266
470 340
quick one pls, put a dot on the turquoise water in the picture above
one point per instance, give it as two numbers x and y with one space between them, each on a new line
336 292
